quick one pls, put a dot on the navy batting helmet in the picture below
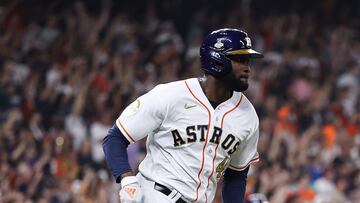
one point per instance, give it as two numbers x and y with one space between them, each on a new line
223 45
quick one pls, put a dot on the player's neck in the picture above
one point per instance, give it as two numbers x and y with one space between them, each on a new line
214 89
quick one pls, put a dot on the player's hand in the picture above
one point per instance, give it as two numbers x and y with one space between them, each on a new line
130 191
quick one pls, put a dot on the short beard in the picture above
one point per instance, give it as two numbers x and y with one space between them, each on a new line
241 87
234 84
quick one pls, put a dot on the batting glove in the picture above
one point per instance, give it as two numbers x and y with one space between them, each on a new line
130 190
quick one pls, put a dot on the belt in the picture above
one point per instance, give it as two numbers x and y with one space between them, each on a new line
166 191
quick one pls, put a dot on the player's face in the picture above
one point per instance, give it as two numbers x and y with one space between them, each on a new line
237 79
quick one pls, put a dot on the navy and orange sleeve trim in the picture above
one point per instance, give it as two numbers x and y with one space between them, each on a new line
124 131
243 167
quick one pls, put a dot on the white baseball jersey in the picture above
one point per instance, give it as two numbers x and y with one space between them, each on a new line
189 143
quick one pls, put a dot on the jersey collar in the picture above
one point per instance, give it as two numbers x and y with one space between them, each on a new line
199 93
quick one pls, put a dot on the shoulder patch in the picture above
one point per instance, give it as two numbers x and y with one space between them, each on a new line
132 108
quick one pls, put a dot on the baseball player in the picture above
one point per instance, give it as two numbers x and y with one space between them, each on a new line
197 130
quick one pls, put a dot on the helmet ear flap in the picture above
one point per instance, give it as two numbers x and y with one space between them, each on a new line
219 65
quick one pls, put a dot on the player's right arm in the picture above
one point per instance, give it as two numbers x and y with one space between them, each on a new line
114 146
140 118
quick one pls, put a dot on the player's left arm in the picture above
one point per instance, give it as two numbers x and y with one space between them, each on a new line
235 176
234 185
246 153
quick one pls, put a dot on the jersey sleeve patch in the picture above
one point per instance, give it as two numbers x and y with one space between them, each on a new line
132 108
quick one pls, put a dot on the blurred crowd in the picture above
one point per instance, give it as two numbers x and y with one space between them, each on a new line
68 69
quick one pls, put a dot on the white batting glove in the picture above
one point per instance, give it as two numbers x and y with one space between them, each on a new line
130 191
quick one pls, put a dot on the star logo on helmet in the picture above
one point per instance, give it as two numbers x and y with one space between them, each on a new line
248 41
218 44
